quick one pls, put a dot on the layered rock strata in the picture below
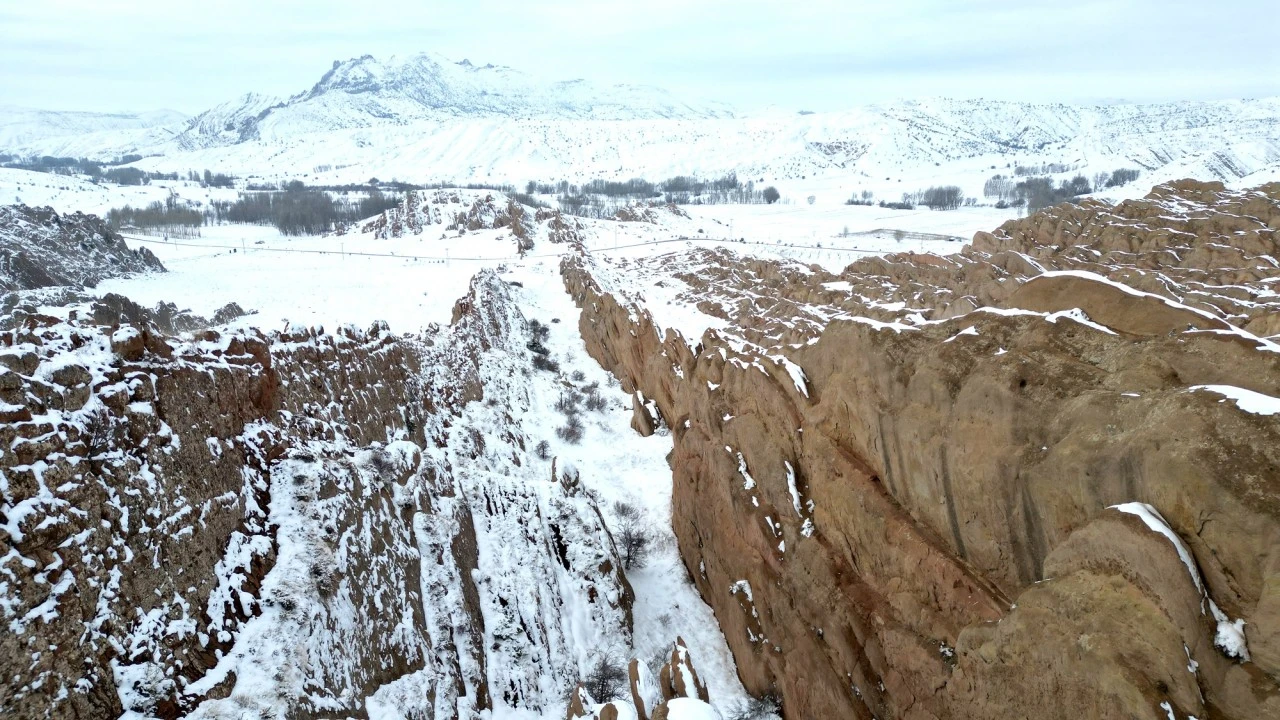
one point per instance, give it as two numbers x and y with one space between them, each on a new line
1036 479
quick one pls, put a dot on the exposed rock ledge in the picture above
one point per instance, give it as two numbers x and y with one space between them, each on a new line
294 524
900 508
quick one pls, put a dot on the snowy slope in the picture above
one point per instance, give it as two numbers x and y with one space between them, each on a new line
424 118
367 92
887 149
24 126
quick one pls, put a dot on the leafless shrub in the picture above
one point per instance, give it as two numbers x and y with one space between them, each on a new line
606 680
632 535
572 431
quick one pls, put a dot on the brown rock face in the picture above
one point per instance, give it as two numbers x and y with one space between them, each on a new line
897 514
40 248
678 678
285 524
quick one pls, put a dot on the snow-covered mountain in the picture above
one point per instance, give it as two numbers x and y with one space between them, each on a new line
425 118
367 92
21 127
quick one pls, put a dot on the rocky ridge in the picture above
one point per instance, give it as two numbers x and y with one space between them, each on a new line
466 211
1035 478
297 523
40 248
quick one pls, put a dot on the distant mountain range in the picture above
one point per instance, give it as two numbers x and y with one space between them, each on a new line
425 118
22 128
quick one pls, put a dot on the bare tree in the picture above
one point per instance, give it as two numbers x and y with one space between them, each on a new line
606 679
633 537
946 197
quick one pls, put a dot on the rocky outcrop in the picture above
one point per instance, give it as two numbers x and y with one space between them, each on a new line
299 523
648 212
899 507
559 229
415 214
469 211
678 678
40 248
677 685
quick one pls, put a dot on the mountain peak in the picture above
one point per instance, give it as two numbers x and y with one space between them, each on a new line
368 92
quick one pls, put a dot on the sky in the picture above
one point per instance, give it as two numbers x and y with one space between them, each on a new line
811 55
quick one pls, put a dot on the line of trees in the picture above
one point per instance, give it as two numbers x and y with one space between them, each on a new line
1045 169
865 198
169 217
211 179
299 210
946 197
1038 193
603 198
96 171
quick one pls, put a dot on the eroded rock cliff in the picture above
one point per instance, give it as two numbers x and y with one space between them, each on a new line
290 524
42 248
1036 479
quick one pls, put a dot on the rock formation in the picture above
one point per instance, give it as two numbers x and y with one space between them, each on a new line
1035 479
647 212
291 524
678 686
468 211
40 248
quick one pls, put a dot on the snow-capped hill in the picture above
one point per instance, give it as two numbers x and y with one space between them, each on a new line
23 126
231 122
441 88
369 92
425 118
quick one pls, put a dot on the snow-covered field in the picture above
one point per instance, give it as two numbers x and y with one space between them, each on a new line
410 282
66 193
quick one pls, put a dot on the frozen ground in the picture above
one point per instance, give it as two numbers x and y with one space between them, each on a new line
413 281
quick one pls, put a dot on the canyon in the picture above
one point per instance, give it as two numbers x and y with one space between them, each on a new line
1033 477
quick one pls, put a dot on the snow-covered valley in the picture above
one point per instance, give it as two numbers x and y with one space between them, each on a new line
483 454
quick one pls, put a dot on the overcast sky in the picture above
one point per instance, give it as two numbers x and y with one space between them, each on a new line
145 54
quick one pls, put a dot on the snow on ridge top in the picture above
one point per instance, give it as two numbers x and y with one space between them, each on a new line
438 83
1247 400
1086 275
19 125
369 92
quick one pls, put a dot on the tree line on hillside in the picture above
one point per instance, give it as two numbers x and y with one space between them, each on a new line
94 170
1039 192
111 171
